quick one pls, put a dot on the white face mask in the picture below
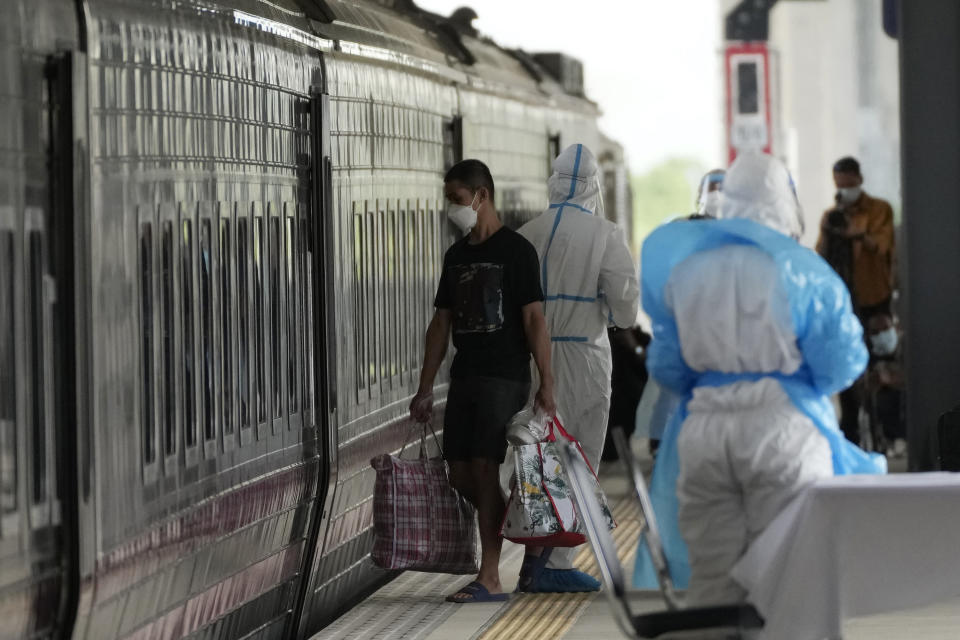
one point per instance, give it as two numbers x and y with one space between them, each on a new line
711 204
849 195
463 216
885 342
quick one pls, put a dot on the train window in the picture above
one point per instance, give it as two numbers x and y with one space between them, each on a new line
294 348
381 298
276 272
395 319
243 317
452 141
189 359
404 288
8 378
385 297
260 390
226 327
359 264
206 325
370 306
168 398
307 288
146 343
35 321
415 251
553 150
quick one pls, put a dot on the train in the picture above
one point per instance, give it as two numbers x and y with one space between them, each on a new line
221 228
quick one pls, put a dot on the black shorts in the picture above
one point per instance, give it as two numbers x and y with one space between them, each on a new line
478 410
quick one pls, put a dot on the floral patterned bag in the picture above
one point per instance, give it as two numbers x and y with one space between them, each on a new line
540 510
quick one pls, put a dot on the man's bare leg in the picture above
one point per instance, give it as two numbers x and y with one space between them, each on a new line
484 493
490 507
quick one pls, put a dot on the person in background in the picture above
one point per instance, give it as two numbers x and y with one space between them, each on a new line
489 298
708 195
589 281
754 332
629 376
885 383
856 238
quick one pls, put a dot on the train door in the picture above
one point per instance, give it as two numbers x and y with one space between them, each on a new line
37 410
318 380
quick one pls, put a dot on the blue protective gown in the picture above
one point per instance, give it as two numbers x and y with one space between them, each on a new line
829 338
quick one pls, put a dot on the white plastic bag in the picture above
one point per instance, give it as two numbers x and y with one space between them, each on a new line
528 426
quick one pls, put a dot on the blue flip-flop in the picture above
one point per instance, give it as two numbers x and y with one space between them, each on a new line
477 593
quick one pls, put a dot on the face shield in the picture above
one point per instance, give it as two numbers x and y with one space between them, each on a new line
708 196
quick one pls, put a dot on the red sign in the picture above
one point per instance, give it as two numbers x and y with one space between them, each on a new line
747 70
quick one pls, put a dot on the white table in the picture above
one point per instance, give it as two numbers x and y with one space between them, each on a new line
855 545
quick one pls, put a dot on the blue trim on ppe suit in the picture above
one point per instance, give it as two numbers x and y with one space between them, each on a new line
556 221
566 296
560 206
565 204
829 337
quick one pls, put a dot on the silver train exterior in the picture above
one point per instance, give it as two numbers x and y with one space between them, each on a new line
221 225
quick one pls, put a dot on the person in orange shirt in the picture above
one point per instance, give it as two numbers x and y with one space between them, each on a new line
856 238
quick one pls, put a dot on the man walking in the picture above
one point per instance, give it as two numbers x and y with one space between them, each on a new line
590 280
489 297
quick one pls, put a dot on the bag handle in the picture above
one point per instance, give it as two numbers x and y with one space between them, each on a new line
423 437
555 427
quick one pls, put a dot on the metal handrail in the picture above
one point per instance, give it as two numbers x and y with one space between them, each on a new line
649 531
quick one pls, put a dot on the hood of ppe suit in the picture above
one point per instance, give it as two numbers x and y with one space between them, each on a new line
758 187
576 180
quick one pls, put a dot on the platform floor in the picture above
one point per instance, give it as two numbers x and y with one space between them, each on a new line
412 607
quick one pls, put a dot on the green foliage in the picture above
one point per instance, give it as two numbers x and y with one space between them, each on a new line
665 191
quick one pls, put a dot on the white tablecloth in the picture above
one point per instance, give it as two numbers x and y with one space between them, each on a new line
855 545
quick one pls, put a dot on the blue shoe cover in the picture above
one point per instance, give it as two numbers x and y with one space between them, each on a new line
565 581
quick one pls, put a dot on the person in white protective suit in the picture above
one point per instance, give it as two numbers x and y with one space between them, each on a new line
708 195
755 332
589 280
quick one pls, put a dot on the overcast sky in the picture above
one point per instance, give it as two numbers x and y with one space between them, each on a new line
652 65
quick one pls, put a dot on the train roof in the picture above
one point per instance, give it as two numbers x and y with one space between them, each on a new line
400 32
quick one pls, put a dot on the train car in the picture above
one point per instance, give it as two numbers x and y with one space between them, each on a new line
221 226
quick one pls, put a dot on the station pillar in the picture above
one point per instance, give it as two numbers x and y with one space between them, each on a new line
930 258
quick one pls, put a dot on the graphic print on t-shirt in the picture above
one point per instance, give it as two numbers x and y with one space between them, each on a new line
478 297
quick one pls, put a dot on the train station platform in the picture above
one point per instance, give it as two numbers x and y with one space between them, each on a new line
412 606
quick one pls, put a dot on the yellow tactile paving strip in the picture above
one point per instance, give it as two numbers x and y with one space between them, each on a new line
552 615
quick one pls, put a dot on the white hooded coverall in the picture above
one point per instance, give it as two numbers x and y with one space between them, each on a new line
589 280
745 449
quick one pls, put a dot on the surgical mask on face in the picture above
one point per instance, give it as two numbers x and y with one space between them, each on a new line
465 217
849 195
711 204
885 342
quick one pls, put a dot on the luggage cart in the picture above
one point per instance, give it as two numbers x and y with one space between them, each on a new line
677 621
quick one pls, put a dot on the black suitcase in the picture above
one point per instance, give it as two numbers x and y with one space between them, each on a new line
948 433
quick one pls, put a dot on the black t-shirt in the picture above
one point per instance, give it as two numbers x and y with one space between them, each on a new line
485 287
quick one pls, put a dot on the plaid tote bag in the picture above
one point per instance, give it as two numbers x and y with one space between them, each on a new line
420 522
